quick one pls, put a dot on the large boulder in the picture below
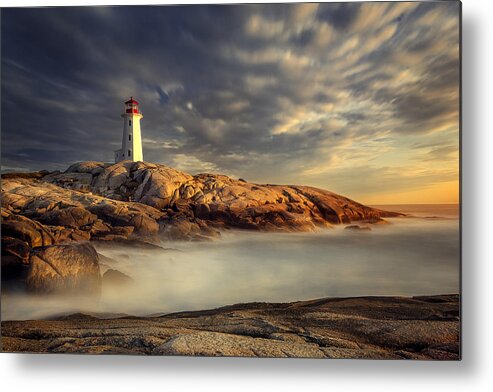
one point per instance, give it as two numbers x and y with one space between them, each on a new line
144 225
142 219
68 217
112 177
14 250
15 263
76 181
116 279
90 167
159 186
70 269
27 230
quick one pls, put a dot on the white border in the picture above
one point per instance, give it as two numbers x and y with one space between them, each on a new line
118 373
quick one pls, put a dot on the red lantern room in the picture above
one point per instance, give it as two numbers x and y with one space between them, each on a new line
132 106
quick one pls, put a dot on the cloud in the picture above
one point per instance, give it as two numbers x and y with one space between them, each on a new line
270 92
340 15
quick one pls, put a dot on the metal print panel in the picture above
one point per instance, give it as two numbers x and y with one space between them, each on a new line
267 180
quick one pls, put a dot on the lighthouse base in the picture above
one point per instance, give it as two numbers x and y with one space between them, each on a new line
119 155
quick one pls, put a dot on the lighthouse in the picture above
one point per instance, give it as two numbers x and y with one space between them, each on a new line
132 141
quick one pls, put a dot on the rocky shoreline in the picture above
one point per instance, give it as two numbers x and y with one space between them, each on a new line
49 220
424 328
51 223
98 201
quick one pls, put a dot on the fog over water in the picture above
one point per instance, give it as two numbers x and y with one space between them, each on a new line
409 256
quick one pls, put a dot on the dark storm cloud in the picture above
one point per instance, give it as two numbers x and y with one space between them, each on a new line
413 107
339 15
247 90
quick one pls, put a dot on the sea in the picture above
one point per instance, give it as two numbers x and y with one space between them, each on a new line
417 254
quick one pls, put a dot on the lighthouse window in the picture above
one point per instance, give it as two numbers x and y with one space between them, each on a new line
129 152
129 137
129 123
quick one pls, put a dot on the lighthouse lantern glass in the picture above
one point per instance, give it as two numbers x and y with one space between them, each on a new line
131 107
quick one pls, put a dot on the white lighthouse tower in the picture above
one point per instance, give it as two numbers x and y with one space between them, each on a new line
132 141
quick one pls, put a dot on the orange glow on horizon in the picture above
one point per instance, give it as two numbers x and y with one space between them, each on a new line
443 193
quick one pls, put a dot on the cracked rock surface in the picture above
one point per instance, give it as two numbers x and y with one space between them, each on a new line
98 201
364 327
143 204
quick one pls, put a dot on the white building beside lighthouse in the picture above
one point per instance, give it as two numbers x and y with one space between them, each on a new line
132 140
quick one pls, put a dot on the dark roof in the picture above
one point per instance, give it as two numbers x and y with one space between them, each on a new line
132 100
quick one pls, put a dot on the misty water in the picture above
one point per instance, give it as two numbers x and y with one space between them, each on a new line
416 255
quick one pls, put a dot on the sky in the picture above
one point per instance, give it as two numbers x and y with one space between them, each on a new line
358 98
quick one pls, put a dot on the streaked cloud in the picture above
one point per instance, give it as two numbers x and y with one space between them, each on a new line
335 95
